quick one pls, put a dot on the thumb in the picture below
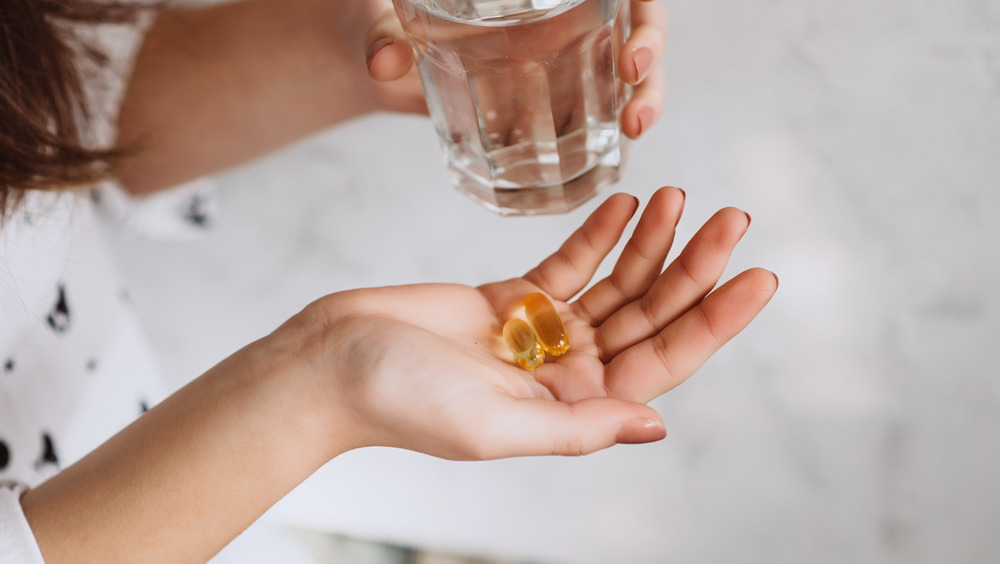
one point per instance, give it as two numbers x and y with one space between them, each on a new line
537 427
387 50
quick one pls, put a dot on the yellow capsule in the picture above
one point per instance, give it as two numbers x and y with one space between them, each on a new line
547 324
521 341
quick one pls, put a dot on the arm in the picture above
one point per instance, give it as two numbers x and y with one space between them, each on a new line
416 367
192 473
216 86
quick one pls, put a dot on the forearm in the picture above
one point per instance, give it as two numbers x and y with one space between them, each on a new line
215 87
192 473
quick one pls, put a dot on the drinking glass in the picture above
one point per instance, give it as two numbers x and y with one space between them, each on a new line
525 96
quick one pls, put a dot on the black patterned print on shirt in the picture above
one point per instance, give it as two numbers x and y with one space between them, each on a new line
4 455
194 212
48 457
59 316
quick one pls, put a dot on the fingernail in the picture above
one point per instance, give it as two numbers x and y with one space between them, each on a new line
776 283
646 117
642 59
375 49
749 219
641 430
684 198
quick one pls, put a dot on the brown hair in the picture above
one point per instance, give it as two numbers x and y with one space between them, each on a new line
42 103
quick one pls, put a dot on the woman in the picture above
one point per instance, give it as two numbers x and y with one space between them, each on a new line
416 367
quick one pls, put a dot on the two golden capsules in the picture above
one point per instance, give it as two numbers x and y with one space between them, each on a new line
544 332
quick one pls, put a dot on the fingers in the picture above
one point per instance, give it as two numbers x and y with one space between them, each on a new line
563 274
387 50
670 357
641 261
646 43
646 105
538 427
682 285
639 62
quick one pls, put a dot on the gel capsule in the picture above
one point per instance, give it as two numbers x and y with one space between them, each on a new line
521 341
547 324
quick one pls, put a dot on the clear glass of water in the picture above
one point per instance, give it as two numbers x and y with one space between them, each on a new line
525 96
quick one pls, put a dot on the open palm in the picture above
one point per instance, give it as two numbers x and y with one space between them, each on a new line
448 387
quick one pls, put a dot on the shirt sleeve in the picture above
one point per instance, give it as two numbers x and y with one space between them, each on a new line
17 542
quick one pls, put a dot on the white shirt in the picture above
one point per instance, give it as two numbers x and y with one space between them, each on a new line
74 367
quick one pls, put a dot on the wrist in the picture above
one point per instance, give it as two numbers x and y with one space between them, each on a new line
308 377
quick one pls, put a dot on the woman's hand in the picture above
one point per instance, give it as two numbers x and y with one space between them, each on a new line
390 61
417 367
424 367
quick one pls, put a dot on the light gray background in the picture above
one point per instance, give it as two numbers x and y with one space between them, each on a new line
857 420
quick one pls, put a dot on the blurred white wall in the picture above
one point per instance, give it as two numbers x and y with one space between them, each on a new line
857 420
